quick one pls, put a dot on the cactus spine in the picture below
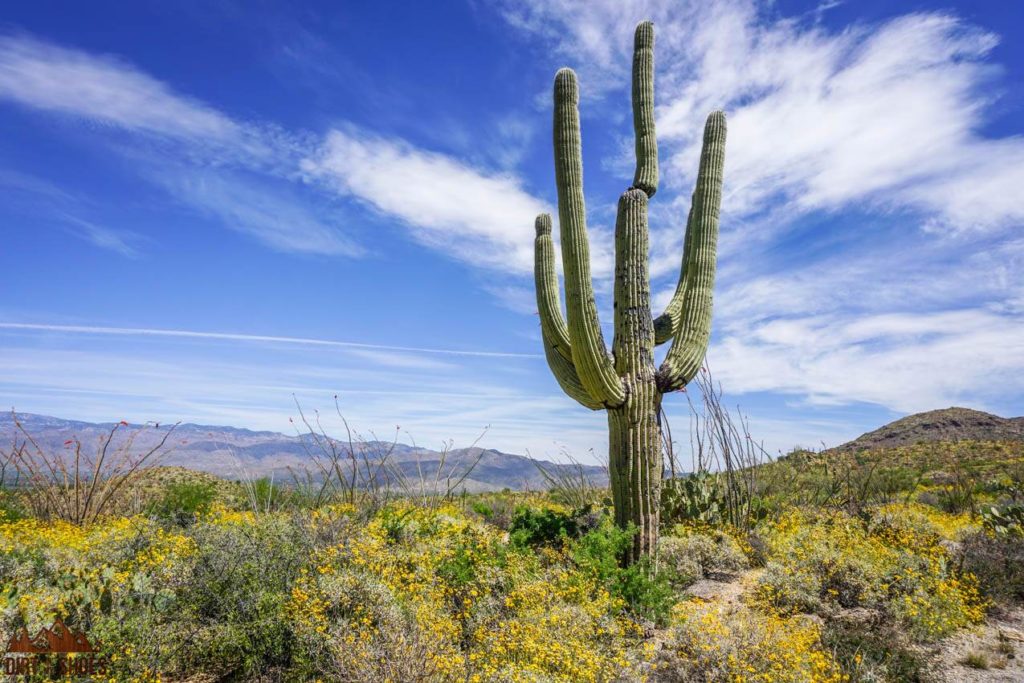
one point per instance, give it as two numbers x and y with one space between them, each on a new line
625 383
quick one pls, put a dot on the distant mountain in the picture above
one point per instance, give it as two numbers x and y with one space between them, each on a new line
232 453
948 424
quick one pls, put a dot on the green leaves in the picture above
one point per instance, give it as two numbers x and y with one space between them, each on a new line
1007 520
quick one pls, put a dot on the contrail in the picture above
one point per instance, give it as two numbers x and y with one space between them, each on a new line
228 336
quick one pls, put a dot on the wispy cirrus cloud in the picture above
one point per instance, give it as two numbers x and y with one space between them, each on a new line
241 174
103 89
122 242
450 206
247 175
267 211
253 338
254 381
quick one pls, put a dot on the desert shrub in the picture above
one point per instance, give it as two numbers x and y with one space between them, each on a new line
998 562
828 561
181 502
934 609
78 484
680 567
544 526
702 552
919 524
709 642
646 591
483 509
221 610
351 627
447 600
11 508
869 651
960 490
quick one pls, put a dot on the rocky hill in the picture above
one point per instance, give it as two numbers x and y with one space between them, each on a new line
234 453
947 424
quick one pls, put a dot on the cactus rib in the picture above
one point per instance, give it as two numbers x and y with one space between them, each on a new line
589 353
686 354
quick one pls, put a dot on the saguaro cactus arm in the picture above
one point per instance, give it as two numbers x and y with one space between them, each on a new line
666 324
690 340
549 305
553 329
646 177
567 378
589 353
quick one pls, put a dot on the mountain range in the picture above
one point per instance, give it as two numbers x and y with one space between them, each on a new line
234 453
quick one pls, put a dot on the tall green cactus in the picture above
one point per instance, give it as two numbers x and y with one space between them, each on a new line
625 383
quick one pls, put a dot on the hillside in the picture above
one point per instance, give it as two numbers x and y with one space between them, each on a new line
234 453
947 425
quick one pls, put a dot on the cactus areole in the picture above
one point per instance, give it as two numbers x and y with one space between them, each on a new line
626 382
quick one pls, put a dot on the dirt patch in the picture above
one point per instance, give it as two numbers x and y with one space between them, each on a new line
990 653
725 588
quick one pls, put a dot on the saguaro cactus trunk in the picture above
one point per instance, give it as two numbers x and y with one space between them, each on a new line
625 382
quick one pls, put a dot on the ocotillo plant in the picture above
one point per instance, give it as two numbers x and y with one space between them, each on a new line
625 382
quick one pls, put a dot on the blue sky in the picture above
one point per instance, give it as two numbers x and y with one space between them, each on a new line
209 207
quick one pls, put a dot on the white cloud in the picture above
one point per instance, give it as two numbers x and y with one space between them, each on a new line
118 241
229 169
890 113
881 121
908 362
823 120
252 338
103 89
261 209
484 219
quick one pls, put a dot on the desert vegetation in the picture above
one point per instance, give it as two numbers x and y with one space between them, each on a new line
835 566
704 561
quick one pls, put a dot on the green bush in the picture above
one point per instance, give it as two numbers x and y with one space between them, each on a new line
532 527
11 509
483 509
222 611
183 501
648 593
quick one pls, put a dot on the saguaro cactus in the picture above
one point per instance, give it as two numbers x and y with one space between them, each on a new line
625 383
